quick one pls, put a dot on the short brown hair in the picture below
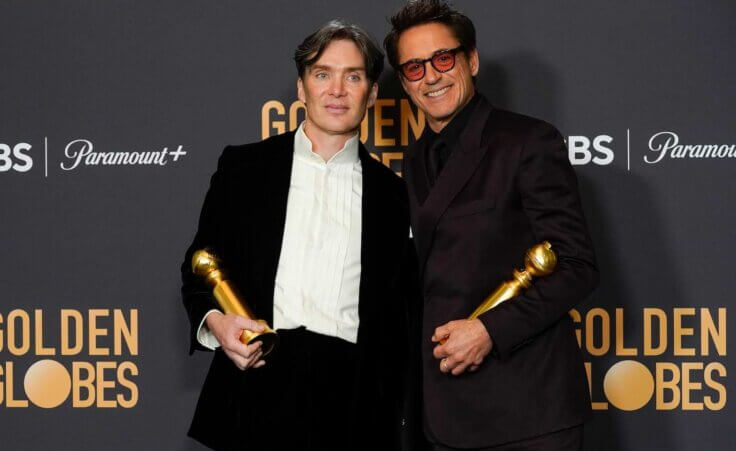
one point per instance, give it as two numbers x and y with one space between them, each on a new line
418 12
313 45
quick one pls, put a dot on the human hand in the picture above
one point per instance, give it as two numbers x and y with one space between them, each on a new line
228 329
466 344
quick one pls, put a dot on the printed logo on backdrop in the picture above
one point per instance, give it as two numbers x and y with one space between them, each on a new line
392 124
583 150
15 157
389 126
666 145
661 146
80 154
674 363
77 358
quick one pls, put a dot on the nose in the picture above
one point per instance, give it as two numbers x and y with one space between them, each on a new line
337 87
431 76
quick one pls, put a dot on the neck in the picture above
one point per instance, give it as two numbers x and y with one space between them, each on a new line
325 144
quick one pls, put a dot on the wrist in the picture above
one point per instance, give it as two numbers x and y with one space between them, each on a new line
212 319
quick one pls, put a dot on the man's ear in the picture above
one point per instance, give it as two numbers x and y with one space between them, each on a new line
300 90
474 61
372 96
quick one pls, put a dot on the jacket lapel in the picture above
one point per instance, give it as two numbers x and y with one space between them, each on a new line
370 242
459 168
279 160
418 172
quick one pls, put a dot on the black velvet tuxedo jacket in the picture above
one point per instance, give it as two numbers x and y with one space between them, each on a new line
242 220
507 185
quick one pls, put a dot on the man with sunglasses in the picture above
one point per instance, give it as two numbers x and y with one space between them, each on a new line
484 186
314 233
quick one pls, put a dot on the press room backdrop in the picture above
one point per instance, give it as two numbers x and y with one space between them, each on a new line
93 336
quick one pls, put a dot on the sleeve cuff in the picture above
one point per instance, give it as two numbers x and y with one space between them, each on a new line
486 320
205 337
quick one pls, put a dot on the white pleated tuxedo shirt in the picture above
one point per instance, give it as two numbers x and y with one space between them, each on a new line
318 275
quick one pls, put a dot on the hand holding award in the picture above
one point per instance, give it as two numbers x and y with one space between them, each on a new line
207 265
540 261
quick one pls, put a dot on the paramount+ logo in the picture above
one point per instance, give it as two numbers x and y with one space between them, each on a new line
81 153
668 360
85 359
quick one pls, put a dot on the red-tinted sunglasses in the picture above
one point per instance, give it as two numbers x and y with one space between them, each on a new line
442 61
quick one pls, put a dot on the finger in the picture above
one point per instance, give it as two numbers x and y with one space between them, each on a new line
448 364
440 333
252 349
440 352
452 361
444 367
242 350
238 360
249 324
459 369
234 344
255 358
259 364
473 368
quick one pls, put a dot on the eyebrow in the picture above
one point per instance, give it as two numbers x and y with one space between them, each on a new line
346 69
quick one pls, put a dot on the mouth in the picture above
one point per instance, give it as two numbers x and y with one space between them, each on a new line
337 109
437 92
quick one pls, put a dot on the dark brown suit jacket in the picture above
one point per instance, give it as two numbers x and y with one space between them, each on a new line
507 186
242 220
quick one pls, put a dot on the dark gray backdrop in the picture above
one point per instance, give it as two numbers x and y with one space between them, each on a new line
133 76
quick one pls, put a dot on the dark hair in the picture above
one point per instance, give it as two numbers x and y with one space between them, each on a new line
313 45
418 12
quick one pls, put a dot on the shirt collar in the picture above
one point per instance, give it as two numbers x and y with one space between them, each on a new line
347 155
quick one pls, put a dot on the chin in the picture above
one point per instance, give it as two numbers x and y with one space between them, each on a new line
441 113
340 129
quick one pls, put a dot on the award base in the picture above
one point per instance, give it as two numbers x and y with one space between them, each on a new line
268 338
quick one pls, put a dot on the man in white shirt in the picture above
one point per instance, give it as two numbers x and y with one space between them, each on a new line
314 233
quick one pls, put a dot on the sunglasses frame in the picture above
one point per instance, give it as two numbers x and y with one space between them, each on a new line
423 62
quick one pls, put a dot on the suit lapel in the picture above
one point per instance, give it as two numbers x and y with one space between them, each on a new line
419 180
277 179
459 168
370 242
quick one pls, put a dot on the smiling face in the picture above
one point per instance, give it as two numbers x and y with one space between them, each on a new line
441 95
336 90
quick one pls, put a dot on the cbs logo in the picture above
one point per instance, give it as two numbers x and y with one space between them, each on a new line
15 158
583 150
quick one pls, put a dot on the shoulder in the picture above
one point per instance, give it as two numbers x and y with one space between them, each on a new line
247 154
519 126
382 174
538 145
384 179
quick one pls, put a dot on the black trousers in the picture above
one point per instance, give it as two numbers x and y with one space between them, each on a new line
565 440
304 398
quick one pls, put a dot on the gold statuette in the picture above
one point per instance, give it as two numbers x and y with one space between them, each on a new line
207 265
540 261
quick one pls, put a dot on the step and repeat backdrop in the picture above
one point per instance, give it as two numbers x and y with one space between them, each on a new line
113 114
